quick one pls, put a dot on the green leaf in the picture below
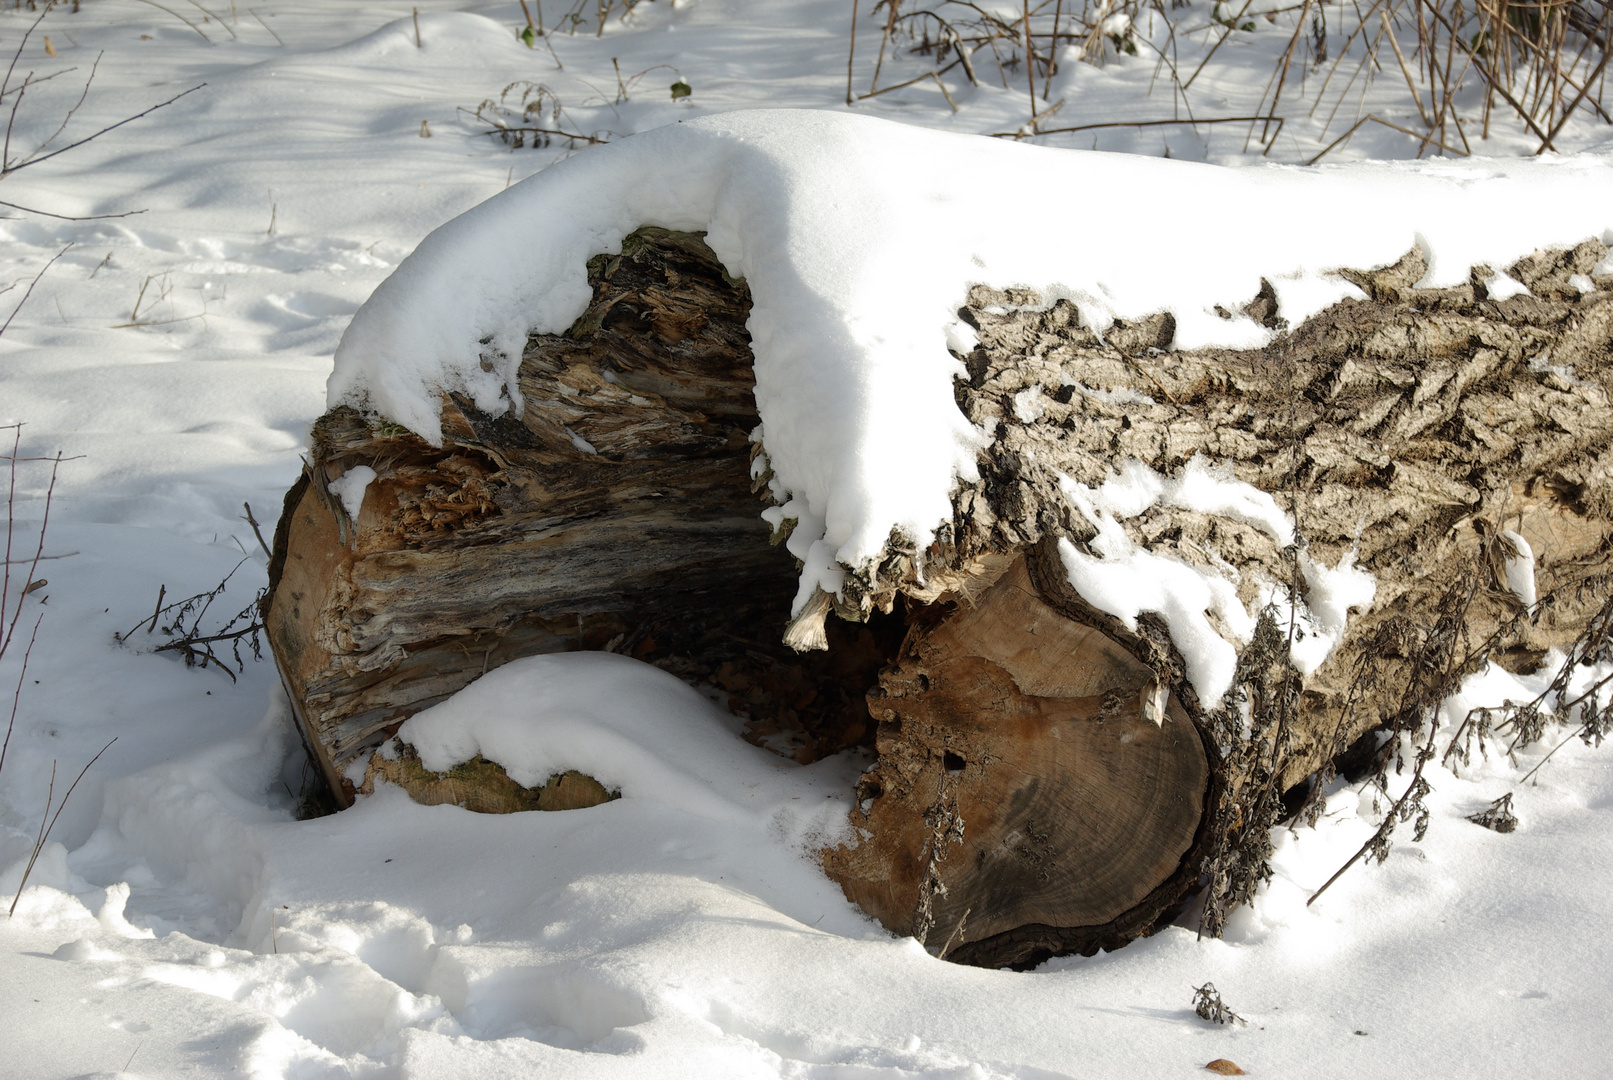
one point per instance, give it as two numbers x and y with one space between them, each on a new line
681 89
530 36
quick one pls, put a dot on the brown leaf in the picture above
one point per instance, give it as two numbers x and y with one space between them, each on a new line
1225 1067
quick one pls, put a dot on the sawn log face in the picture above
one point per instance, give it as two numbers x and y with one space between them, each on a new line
1057 802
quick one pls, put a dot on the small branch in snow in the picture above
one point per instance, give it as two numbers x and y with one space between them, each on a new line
266 26
1278 120
44 829
30 291
250 520
8 168
851 53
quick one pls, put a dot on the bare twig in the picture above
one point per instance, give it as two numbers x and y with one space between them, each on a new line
11 532
936 75
162 591
30 291
1225 34
890 25
1030 59
1557 128
16 697
1149 123
252 12
1052 50
76 105
46 558
250 520
5 83
851 53
195 644
180 17
69 217
39 548
9 169
1278 80
45 830
1414 790
1369 118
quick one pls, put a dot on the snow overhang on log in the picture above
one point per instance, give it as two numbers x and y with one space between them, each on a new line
860 241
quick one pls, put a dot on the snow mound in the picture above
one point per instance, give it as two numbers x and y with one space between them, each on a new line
859 239
635 729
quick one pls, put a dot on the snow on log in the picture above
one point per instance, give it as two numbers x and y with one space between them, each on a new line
1103 565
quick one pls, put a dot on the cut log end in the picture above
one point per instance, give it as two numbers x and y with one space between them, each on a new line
1022 782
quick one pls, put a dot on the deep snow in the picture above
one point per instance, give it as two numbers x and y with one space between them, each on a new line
183 923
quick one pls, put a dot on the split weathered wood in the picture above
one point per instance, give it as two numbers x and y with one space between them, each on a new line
1047 780
616 513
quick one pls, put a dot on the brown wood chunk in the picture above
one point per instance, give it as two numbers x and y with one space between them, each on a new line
1030 729
483 786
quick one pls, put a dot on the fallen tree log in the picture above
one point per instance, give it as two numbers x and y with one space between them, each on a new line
1065 749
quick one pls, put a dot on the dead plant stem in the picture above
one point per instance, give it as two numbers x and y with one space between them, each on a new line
181 18
253 12
851 54
1225 33
1030 59
1569 112
30 291
16 697
1053 50
45 830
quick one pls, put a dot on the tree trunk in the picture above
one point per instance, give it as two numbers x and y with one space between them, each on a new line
1048 778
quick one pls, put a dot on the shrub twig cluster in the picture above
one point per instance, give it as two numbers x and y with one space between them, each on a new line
1451 65
531 114
183 622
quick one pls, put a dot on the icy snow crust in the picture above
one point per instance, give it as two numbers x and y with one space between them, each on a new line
859 239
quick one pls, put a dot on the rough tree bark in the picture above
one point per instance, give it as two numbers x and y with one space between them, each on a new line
1047 780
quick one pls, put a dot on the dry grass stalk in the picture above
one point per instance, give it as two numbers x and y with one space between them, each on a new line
1543 61
8 631
47 823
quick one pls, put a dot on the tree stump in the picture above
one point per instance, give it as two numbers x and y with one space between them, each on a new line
1049 778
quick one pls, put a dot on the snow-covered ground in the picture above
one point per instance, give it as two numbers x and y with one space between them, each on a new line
182 922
